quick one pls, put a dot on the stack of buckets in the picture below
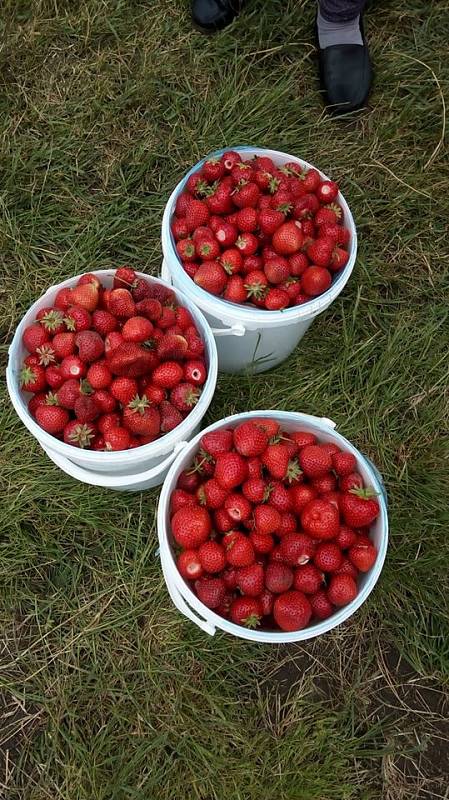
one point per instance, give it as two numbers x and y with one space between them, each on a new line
237 338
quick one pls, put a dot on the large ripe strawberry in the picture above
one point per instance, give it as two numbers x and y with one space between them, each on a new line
191 526
124 278
316 280
359 507
328 557
107 421
34 336
262 542
250 580
342 590
172 346
320 251
246 611
171 417
322 607
131 359
247 243
207 249
277 269
292 611
339 259
311 180
185 396
211 494
211 591
211 277
105 401
79 434
68 393
124 389
270 220
278 578
247 220
86 408
327 192
52 319
78 319
256 285
276 300
53 377
220 201
238 507
250 439
246 194
231 470
308 579
217 442
226 233
90 346
320 519
197 213
231 260
52 418
256 490
344 463
276 459
239 549
352 481
72 367
121 303
267 518
315 461
212 556
85 295
63 298
297 548
168 375
288 238
117 438
137 329
32 378
363 556
141 418
189 565
63 345
213 169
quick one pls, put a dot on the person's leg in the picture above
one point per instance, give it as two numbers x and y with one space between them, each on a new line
213 15
345 66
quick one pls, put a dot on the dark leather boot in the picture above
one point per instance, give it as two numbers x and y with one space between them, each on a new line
346 75
213 15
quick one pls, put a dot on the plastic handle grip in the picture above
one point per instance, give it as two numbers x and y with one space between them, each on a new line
234 330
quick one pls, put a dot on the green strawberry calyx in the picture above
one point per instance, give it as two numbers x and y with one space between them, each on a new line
367 493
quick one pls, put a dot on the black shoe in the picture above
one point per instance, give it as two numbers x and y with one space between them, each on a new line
213 15
345 74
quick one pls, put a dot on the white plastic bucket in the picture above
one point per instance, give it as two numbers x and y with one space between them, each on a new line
130 470
180 592
267 337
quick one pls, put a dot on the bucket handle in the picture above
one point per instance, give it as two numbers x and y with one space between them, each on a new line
182 606
110 481
234 330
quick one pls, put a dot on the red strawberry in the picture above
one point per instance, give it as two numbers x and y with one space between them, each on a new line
270 220
327 191
226 234
308 579
276 459
63 298
322 608
238 507
330 448
250 439
191 526
315 461
342 590
124 278
85 295
124 389
78 434
149 308
90 346
359 507
347 568
33 379
69 393
211 277
104 400
352 481
288 524
250 580
179 228
89 278
298 264
186 250
231 470
230 159
316 280
222 521
346 537
53 377
278 578
256 490
320 519
185 396
137 329
211 591
327 483
172 346
325 216
231 260
320 251
262 542
246 194
276 300
212 556
195 372
78 319
267 519
72 367
256 285
288 238
99 375
39 399
107 421
339 259
52 419
86 408
189 565
140 418
121 303
344 463
328 557
179 499
207 249
104 322
363 556
292 611
217 442
112 341
117 439
168 375
197 213
34 336
247 243
220 202
63 345
211 494
213 169
246 611
247 220
131 359
52 320
170 416
239 549
277 269
297 549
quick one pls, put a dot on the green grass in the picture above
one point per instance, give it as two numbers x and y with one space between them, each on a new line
108 693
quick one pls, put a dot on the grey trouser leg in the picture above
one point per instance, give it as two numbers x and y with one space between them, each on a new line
341 10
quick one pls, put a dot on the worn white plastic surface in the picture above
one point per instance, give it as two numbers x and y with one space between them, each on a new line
127 463
182 595
268 336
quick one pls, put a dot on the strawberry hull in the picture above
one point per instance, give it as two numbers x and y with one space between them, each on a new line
182 593
266 337
127 470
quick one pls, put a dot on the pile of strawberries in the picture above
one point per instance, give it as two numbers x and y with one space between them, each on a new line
256 233
112 369
274 527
